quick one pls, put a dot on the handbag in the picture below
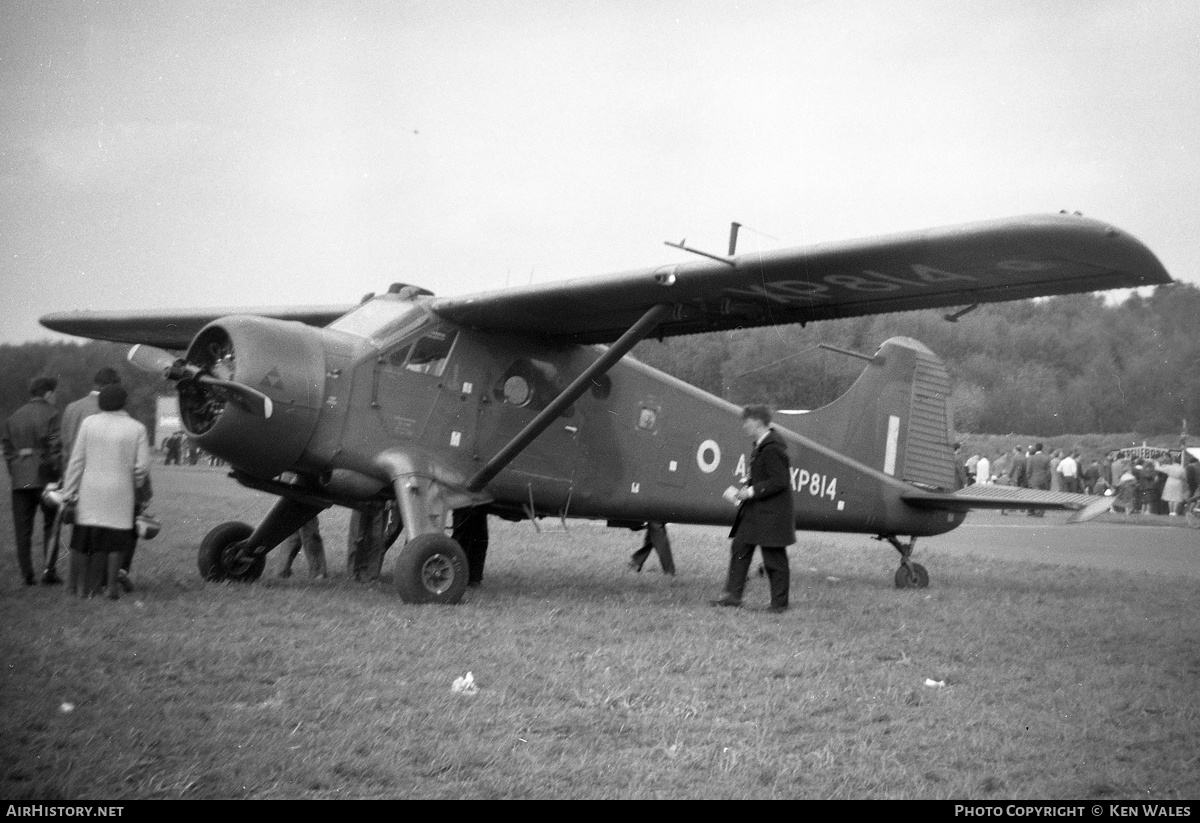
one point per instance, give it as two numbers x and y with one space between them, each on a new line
147 526
52 497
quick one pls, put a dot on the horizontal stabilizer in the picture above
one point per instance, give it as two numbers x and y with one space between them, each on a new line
1011 497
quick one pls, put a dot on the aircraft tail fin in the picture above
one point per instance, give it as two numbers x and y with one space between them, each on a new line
895 418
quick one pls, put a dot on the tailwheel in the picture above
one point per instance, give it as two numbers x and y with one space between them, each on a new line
912 576
222 555
431 568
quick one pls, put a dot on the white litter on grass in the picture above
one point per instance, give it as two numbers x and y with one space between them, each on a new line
929 681
66 708
833 579
464 685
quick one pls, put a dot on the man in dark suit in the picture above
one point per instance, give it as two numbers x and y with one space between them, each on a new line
33 451
1038 469
766 516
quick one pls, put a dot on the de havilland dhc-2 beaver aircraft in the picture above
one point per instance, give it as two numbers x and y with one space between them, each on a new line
523 403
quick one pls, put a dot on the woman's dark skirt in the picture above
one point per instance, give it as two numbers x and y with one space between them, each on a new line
101 540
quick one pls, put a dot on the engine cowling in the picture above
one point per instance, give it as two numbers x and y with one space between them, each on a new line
283 360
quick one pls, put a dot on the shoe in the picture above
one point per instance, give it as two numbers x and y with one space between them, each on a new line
123 579
51 578
29 581
777 609
727 603
634 565
285 573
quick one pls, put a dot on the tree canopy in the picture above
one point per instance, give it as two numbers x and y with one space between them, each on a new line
75 365
1072 363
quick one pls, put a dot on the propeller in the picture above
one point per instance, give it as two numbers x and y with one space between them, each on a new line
151 359
159 361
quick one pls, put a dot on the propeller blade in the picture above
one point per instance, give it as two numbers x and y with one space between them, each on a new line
249 399
151 359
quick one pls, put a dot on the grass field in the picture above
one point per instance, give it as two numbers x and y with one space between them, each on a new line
595 682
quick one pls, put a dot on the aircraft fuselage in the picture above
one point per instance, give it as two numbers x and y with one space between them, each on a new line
638 445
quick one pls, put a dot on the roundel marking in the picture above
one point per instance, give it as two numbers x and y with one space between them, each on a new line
708 456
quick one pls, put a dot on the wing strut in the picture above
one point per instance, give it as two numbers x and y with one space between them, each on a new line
636 333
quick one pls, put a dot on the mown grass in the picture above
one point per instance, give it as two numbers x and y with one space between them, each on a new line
595 682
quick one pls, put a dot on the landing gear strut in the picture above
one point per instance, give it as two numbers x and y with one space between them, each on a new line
910 575
235 551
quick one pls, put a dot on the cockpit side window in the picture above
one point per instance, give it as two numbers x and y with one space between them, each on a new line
427 354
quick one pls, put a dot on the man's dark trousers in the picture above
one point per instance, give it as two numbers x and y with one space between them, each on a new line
774 561
25 504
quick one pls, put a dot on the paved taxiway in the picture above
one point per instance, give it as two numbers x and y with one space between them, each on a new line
1155 544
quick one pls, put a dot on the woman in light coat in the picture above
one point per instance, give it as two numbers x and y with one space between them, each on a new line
1174 492
109 462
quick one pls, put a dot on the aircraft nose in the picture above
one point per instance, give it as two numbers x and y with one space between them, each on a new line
281 359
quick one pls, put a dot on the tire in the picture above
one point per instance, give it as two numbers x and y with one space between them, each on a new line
217 559
916 578
431 568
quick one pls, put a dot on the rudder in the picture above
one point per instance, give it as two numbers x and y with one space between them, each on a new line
896 417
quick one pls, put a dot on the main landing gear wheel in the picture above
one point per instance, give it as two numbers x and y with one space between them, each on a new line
431 568
220 555
912 576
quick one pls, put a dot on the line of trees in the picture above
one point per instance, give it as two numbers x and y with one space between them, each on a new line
74 365
1068 364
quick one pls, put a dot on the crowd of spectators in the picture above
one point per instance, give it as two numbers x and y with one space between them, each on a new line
1138 483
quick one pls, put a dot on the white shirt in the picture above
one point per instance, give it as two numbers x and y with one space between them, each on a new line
983 471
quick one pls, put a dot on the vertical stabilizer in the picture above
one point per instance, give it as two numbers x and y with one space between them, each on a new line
895 418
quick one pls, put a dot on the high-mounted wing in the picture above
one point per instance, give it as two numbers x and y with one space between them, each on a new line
992 261
173 329
997 260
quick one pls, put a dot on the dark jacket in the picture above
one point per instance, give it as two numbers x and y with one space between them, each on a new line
32 447
1039 471
1018 472
768 518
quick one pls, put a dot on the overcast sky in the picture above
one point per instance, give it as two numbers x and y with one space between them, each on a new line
180 153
